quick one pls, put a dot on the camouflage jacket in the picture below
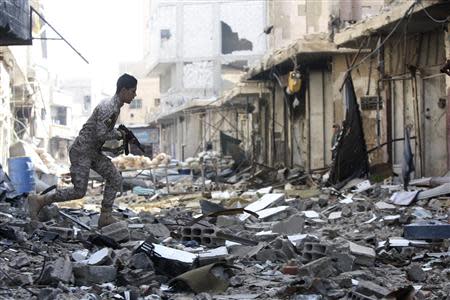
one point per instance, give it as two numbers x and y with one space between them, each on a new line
99 127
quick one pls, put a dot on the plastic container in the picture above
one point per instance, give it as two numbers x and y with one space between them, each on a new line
21 173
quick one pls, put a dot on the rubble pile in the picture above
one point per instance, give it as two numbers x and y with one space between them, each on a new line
294 241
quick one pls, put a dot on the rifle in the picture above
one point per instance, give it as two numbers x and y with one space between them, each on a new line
129 138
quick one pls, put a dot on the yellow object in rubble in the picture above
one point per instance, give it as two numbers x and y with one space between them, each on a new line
294 82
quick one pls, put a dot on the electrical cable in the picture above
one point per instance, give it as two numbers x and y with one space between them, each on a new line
432 18
407 12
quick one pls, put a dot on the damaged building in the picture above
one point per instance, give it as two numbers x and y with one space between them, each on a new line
299 150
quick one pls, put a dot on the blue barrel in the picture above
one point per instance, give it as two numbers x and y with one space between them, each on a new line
21 173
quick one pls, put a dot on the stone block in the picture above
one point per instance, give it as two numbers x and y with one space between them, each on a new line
293 225
364 255
416 274
321 267
101 257
56 271
87 274
117 231
140 261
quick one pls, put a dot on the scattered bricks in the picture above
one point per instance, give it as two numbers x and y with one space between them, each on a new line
416 274
321 267
365 256
203 235
312 251
140 261
101 257
117 231
56 271
368 288
87 274
292 225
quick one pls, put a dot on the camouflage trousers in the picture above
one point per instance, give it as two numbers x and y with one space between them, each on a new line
81 163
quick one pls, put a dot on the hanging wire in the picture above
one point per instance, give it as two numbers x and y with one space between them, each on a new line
407 13
432 18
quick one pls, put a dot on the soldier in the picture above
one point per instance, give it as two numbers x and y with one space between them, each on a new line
85 154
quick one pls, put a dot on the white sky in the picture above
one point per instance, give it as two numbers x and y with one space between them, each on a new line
105 32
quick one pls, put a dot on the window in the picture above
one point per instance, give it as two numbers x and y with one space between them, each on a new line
87 103
136 104
59 115
157 101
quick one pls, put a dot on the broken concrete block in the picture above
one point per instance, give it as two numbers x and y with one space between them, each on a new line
416 274
321 267
381 205
80 255
293 225
140 261
87 274
364 255
158 230
344 262
368 288
118 231
101 257
56 271
225 221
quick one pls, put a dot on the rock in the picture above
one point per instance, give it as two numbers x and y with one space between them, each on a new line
56 271
321 267
157 230
20 261
80 255
101 257
48 294
117 231
347 211
87 274
292 225
140 261
364 255
416 274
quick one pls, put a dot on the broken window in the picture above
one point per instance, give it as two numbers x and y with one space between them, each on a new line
157 102
59 115
231 41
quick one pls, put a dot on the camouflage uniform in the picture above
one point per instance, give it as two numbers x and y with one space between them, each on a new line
85 154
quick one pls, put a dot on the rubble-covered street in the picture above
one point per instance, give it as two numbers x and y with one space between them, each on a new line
293 239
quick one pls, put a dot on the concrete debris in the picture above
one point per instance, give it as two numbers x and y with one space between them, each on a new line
303 242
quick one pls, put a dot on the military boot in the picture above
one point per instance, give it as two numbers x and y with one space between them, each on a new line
36 203
106 218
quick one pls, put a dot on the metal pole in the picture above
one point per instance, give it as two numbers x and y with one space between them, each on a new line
43 19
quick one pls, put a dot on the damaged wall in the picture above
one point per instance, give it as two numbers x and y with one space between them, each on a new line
361 84
422 54
242 24
5 115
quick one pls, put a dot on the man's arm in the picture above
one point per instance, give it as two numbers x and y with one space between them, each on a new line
105 125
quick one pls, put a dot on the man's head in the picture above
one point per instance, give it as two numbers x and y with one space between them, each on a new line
126 88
